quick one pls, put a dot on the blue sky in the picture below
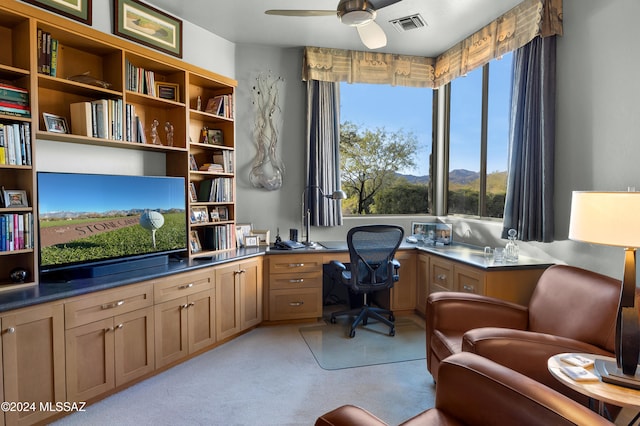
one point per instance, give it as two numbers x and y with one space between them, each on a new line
409 109
99 193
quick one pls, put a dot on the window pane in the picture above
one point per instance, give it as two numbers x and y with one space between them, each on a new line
498 133
385 148
464 143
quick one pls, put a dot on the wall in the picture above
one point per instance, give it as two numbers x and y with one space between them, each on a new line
597 131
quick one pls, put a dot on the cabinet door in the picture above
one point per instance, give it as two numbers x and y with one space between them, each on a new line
202 320
171 331
90 360
134 348
33 359
227 301
403 293
422 281
250 293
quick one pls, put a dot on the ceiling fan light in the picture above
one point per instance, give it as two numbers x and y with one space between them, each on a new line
358 17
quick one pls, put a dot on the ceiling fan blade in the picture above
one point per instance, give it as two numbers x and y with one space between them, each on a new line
372 35
285 12
379 4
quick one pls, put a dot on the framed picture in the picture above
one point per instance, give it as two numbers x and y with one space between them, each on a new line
263 236
194 242
80 10
215 216
147 25
251 241
193 165
193 195
199 215
15 198
215 137
55 123
223 212
167 90
242 230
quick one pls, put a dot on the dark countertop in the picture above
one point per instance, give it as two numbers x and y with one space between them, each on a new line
51 290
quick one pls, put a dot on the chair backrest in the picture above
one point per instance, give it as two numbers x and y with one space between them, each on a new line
576 303
371 251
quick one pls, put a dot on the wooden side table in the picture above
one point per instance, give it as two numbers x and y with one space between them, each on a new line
597 390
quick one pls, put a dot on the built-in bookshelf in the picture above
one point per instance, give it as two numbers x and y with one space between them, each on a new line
102 90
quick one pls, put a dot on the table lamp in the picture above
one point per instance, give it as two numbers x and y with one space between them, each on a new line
306 212
612 218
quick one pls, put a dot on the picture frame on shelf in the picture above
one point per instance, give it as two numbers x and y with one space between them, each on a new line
193 165
14 198
242 230
80 10
215 137
264 236
223 213
147 25
169 91
193 194
214 215
194 242
251 241
55 123
199 215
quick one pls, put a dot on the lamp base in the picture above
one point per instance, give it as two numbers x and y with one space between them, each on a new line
610 373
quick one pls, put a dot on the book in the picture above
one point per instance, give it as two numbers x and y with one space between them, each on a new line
81 118
54 57
100 117
13 94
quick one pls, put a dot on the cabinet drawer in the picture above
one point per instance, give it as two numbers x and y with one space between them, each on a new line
108 303
280 264
469 281
294 281
441 275
175 286
295 304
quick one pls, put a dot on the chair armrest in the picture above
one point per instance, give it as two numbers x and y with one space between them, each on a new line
348 415
339 266
396 264
464 311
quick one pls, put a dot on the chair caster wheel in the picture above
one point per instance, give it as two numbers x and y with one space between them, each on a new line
332 320
352 334
392 332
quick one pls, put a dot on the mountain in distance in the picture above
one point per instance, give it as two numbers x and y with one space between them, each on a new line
69 215
459 176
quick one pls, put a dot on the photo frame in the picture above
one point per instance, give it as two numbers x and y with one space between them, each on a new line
214 215
223 213
55 123
193 194
193 165
199 215
147 25
251 241
215 137
242 230
168 91
80 10
15 198
263 236
194 242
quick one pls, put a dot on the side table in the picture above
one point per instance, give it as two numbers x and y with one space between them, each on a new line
597 390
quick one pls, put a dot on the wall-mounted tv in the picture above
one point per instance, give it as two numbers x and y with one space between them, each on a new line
91 220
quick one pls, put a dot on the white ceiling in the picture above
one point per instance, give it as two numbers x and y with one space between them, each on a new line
244 21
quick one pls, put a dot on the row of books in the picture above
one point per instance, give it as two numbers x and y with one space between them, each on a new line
219 237
47 53
140 80
221 105
15 144
101 118
222 163
134 130
218 190
14 101
16 231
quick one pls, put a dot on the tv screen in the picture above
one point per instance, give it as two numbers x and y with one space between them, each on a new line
94 218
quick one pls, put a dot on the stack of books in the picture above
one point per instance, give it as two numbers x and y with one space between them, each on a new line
101 118
15 144
16 232
140 80
47 53
218 190
14 101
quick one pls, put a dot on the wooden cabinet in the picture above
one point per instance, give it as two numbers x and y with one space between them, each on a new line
238 296
403 293
294 286
422 281
184 315
33 363
109 340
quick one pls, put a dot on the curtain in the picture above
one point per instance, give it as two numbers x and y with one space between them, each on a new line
323 159
529 199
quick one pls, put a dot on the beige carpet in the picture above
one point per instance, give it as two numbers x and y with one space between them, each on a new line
333 349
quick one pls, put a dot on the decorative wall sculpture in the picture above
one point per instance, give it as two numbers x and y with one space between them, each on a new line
267 170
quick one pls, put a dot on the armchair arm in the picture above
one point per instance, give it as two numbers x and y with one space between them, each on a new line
465 311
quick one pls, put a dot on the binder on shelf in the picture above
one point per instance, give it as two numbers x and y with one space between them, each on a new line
81 119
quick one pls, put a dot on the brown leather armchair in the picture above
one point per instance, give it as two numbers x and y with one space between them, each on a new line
571 310
473 390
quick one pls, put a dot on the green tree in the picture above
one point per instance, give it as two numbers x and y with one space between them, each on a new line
369 160
402 197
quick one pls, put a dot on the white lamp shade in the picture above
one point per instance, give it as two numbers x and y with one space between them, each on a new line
609 218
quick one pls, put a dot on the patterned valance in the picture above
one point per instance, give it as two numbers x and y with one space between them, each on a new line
509 32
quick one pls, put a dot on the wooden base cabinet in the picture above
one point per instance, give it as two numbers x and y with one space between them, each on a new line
422 281
33 360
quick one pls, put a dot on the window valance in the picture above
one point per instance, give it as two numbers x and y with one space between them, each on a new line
509 32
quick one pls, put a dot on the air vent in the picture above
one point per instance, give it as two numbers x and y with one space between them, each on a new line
408 23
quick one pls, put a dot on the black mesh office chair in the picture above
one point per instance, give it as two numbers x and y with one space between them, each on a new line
372 268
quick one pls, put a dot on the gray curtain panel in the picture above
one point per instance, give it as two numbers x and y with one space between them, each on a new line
529 200
323 156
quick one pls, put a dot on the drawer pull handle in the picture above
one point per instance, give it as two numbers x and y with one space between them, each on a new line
108 329
112 305
296 303
191 304
11 330
296 265
185 286
468 288
299 280
442 277
185 306
119 326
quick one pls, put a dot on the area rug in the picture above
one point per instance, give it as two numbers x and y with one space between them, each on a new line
333 349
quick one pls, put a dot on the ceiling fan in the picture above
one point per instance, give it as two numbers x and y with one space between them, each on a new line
355 13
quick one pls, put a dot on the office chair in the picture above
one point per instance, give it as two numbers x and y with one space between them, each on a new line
372 268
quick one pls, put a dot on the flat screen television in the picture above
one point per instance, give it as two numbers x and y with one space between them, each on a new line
89 222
